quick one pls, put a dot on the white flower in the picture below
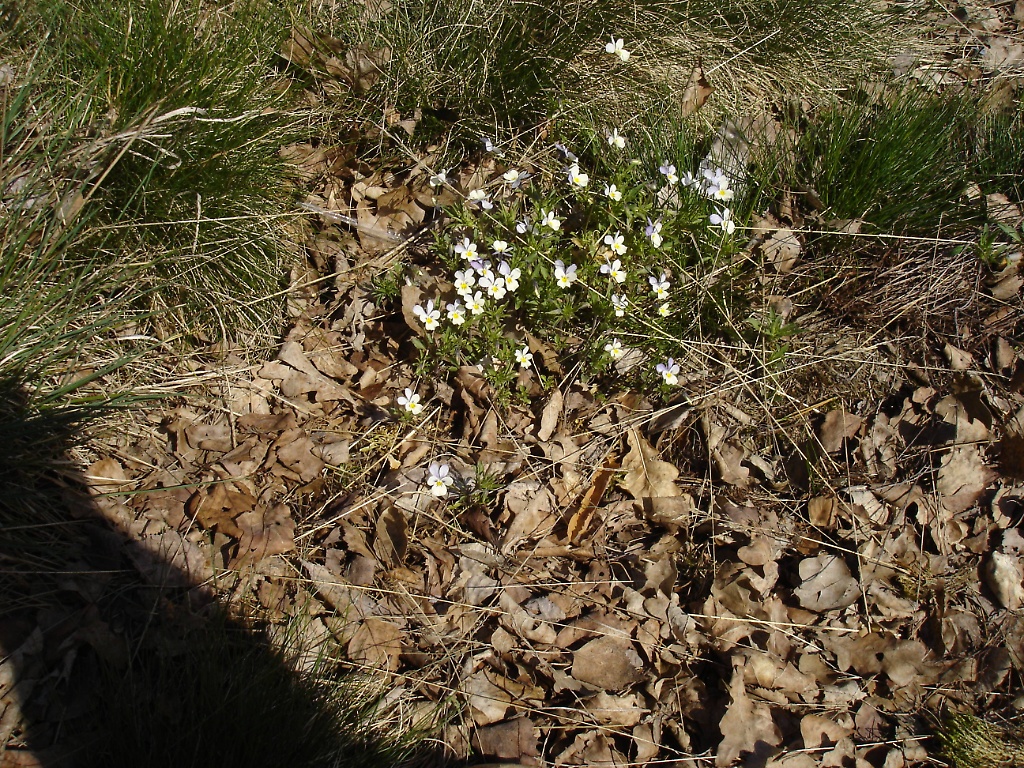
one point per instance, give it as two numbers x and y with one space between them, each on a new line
524 226
620 303
669 172
524 357
548 220
500 246
438 179
612 192
512 176
577 178
411 402
564 276
659 286
669 372
617 48
724 220
614 270
714 177
616 243
614 349
510 274
483 270
653 231
480 197
429 316
439 480
475 303
615 139
689 180
665 310
494 286
457 313
464 282
466 249
719 190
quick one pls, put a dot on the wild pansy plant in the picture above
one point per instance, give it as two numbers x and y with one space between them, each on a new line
608 262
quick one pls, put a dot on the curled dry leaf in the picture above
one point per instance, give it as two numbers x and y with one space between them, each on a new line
827 583
646 474
264 534
782 250
697 92
377 643
745 726
838 427
608 663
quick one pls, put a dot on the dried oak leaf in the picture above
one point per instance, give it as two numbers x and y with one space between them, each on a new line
608 663
646 474
264 534
746 727
698 90
508 740
376 643
782 250
838 427
827 583
963 478
216 507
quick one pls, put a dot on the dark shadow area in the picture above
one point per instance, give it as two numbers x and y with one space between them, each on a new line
101 665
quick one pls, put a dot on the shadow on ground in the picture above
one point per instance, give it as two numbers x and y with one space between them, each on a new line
99 667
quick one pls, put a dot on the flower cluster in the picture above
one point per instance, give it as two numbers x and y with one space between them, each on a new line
714 184
598 242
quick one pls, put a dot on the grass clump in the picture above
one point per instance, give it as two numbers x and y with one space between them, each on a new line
217 692
970 742
515 62
1000 152
896 164
184 105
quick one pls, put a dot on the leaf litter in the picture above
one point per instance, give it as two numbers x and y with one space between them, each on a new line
616 600
565 634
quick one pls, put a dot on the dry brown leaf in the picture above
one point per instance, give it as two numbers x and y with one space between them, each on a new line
550 415
579 521
217 506
1003 571
821 511
698 91
837 427
508 740
361 67
533 507
646 474
827 583
782 250
377 643
488 703
391 541
617 711
746 727
264 534
608 663
209 437
294 450
818 731
171 560
963 478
